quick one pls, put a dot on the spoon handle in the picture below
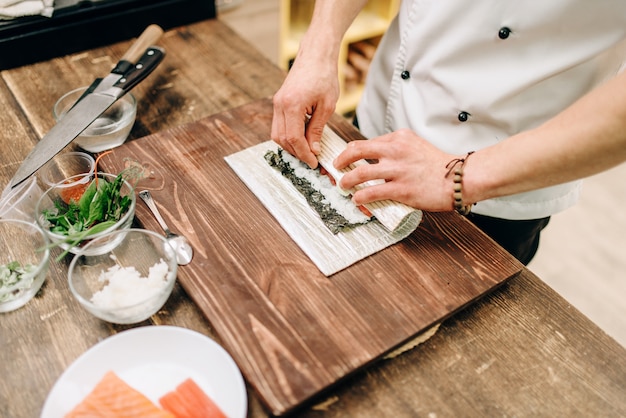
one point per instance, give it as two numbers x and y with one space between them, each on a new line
147 198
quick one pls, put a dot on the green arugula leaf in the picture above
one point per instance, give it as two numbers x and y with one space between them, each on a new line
84 203
100 207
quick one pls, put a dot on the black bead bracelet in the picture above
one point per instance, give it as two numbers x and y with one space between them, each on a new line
456 166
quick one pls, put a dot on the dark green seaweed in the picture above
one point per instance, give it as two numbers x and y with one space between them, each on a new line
333 220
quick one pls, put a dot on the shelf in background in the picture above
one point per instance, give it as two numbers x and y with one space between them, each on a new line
370 25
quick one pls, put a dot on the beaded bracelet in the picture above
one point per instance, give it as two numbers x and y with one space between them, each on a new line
458 183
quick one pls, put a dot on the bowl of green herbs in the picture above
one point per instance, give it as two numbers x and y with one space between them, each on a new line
73 216
24 260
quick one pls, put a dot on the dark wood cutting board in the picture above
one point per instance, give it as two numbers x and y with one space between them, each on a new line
292 331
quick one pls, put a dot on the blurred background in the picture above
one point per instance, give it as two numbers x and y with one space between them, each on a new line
582 254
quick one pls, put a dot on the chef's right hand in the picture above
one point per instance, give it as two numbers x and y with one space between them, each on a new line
311 89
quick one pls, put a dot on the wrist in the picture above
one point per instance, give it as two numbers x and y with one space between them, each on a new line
456 171
318 50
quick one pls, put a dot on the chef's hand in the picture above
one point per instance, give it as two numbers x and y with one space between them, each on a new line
413 168
310 89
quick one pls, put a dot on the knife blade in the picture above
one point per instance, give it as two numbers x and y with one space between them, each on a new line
87 110
148 37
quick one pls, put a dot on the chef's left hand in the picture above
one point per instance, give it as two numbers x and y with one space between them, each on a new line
414 171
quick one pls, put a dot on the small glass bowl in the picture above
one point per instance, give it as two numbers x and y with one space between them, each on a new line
57 198
20 202
109 130
66 165
24 244
128 283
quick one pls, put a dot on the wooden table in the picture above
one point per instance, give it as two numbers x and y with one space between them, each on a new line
520 351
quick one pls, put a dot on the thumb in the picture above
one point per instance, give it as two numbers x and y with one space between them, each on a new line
314 130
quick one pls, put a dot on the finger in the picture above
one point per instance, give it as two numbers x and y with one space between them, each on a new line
315 126
302 151
353 177
383 191
279 129
300 144
314 131
288 130
364 173
371 149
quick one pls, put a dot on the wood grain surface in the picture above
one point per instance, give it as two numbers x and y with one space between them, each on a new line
521 350
293 331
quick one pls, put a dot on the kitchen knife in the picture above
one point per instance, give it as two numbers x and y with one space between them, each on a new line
87 110
148 37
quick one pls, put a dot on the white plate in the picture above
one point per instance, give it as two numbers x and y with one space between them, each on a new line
153 360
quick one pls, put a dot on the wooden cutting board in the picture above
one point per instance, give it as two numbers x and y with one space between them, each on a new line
292 331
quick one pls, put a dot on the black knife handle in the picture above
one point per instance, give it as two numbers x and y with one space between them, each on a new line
122 67
146 64
148 37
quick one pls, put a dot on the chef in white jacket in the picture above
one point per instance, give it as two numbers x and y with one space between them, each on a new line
531 90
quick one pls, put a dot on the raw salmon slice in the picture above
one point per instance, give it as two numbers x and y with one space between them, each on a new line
188 400
112 397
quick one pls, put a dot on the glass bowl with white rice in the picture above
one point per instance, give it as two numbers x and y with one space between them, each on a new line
130 282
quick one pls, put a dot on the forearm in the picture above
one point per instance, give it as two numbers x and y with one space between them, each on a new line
331 19
585 139
307 99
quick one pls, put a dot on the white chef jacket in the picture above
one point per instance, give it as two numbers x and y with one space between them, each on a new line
467 74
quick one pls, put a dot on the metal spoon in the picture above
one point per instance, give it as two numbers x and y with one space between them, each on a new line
181 246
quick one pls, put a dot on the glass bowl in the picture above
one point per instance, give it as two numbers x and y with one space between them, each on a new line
24 259
109 130
128 283
20 202
59 199
66 165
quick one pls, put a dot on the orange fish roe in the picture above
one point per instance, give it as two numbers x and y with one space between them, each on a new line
73 193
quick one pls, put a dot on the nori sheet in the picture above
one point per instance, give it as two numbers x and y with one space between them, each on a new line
333 220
